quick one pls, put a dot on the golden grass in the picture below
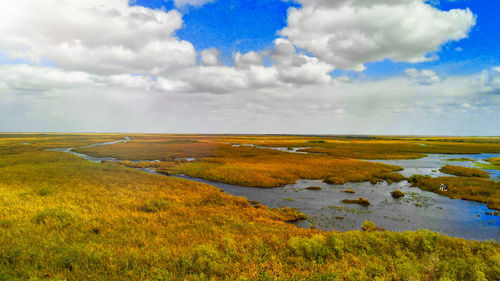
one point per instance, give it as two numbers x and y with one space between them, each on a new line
467 188
166 149
464 171
248 166
397 194
63 218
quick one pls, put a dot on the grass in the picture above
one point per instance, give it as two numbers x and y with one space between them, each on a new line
361 201
349 190
464 171
397 194
248 166
370 226
493 165
459 159
93 226
467 188
315 188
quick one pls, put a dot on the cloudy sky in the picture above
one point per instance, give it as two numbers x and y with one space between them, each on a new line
251 66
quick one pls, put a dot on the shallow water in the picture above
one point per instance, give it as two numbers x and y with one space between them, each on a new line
418 209
431 164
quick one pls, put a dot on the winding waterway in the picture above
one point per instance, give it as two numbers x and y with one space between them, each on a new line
418 209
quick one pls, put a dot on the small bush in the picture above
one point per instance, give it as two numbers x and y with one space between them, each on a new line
313 188
154 205
361 201
348 191
370 226
397 194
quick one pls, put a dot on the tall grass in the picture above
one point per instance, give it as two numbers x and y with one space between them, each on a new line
95 225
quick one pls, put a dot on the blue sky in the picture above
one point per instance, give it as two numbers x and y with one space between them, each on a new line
252 25
251 66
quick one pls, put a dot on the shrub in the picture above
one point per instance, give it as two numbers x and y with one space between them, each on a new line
370 226
349 190
313 249
313 188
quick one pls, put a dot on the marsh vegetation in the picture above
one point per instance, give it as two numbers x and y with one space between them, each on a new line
63 217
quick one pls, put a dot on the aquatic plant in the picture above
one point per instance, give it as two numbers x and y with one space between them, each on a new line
397 194
361 201
459 159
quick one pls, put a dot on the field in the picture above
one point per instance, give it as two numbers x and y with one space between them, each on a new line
65 218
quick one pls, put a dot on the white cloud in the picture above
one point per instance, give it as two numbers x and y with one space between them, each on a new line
423 77
349 33
210 57
247 60
194 3
488 81
297 68
61 100
98 36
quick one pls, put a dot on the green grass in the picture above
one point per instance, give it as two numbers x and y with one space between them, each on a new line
487 166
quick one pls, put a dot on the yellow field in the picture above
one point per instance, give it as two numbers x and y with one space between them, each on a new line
64 218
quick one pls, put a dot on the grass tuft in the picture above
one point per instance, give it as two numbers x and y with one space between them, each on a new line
397 194
361 201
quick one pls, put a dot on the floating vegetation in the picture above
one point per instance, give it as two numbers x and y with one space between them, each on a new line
419 200
397 194
288 199
361 201
459 159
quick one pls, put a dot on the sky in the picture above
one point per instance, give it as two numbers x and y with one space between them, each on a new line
404 67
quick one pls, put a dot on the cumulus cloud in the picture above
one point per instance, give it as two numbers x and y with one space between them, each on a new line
97 36
28 79
424 76
349 33
61 100
210 57
247 60
488 81
298 68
